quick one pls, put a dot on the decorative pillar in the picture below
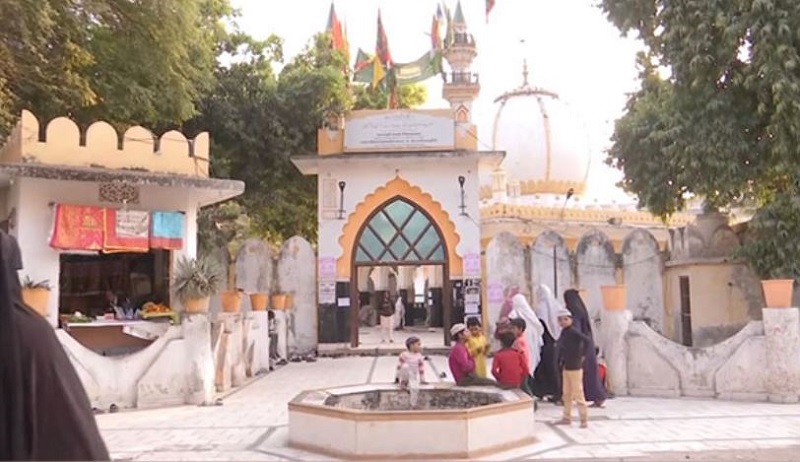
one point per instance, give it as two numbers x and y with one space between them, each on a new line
782 333
282 328
260 332
233 326
615 320
197 338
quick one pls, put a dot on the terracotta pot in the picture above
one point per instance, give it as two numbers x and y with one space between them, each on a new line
289 301
613 297
231 301
196 305
279 302
259 302
37 299
778 292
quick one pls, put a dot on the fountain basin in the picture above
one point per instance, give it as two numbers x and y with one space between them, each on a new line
379 422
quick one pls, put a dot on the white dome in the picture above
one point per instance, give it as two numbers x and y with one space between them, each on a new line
546 145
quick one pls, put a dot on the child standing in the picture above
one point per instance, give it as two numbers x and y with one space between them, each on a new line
478 345
572 348
509 367
411 369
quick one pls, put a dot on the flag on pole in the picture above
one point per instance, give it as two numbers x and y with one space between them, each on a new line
450 35
489 6
436 38
382 45
335 29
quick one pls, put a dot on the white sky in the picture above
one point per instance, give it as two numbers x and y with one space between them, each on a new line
570 47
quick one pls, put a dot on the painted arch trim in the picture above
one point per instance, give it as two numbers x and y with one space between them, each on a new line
398 188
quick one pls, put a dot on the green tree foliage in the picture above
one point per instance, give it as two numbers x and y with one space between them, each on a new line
725 124
408 97
143 62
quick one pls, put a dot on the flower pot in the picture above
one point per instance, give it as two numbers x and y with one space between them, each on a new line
279 302
196 305
259 302
613 297
289 301
231 301
778 292
37 299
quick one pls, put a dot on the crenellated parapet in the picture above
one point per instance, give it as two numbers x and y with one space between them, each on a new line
101 146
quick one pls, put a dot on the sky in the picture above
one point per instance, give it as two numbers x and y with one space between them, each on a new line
569 45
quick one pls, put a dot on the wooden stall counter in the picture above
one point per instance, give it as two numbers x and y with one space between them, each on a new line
116 337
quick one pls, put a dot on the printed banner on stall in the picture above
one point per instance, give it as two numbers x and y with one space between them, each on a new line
167 230
77 227
127 231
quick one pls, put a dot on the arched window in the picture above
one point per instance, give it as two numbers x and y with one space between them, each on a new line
400 232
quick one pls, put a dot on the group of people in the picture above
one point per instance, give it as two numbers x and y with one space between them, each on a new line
548 352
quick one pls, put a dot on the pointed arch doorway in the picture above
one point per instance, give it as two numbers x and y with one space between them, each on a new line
399 233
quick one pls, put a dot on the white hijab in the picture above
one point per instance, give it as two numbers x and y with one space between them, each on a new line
533 330
547 310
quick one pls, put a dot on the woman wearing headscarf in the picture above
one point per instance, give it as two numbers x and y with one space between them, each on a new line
44 411
547 376
592 387
533 330
502 320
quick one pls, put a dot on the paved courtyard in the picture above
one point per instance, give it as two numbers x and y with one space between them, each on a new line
252 424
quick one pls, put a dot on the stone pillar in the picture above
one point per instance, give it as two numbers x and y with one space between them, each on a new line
260 332
615 326
782 333
282 326
233 326
197 338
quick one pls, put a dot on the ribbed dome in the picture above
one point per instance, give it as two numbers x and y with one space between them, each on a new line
547 147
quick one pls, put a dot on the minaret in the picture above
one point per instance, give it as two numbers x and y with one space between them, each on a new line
461 87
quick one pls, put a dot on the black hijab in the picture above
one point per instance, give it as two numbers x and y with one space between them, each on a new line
580 314
44 411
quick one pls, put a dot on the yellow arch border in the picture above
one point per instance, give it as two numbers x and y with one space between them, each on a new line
394 188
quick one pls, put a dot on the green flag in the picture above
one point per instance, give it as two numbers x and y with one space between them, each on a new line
427 66
364 69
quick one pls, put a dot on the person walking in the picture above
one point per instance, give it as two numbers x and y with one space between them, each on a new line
591 379
571 352
387 319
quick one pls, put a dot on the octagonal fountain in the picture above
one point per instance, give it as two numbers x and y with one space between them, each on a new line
380 422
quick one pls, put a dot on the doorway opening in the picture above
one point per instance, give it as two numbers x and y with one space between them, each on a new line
399 252
686 311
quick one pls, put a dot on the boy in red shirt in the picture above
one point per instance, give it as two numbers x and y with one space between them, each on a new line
509 367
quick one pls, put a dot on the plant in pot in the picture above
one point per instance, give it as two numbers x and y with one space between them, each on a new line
36 294
195 281
225 226
772 249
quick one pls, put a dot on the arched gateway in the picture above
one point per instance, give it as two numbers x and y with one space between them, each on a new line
398 233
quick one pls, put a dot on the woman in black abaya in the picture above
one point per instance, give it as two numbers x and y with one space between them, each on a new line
592 387
44 411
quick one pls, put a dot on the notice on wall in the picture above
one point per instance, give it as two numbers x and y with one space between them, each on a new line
327 293
327 269
494 292
420 130
472 296
133 224
472 265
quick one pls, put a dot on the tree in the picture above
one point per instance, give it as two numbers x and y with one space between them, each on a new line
143 62
725 124
259 119
408 96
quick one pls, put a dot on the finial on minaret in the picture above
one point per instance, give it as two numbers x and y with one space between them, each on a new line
525 71
459 18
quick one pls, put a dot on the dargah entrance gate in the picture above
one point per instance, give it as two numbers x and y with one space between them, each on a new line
398 201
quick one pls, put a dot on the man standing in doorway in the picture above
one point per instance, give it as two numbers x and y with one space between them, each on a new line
400 313
387 319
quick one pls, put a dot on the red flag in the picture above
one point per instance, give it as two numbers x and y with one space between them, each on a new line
382 45
436 39
489 6
335 29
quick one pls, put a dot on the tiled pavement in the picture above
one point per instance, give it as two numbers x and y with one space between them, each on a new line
251 425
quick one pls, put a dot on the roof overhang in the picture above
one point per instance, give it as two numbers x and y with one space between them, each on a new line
312 164
206 191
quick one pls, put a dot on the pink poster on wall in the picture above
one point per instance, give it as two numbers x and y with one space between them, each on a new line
327 268
494 292
472 265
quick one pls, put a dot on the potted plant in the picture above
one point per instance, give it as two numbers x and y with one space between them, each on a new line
279 301
614 297
771 250
259 301
36 295
195 281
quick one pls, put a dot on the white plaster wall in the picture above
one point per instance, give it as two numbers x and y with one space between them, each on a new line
643 278
437 177
505 266
35 222
297 275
